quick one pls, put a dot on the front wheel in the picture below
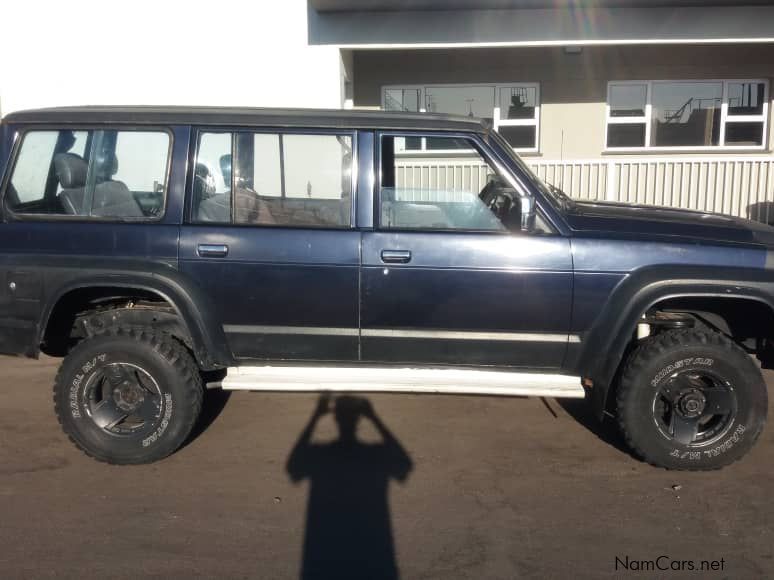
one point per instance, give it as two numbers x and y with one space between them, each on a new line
128 395
691 399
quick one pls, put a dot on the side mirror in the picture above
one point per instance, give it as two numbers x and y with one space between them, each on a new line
527 203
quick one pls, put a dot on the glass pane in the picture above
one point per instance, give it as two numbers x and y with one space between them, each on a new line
470 101
33 166
266 175
212 179
443 197
413 143
130 174
446 143
686 114
626 135
744 133
403 144
142 160
72 142
314 166
628 100
745 98
294 180
519 136
401 100
518 102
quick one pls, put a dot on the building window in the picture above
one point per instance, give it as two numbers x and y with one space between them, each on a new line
513 109
701 114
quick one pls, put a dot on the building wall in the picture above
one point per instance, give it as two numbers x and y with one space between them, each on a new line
153 52
573 87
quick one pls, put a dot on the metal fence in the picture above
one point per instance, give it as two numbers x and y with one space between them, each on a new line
740 186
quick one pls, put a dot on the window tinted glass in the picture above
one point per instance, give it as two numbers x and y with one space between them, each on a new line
745 98
460 100
96 173
212 179
744 134
401 100
33 166
519 136
416 197
628 100
626 135
518 103
279 179
686 114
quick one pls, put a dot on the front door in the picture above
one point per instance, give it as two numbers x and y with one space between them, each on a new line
270 241
445 278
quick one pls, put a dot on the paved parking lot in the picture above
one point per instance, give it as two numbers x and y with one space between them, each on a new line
462 487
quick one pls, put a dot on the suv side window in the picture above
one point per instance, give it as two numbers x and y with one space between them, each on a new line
90 173
274 179
463 192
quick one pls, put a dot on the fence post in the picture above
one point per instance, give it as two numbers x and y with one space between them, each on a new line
610 193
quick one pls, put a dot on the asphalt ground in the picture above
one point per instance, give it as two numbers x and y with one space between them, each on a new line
435 487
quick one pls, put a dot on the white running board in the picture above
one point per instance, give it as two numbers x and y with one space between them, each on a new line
401 380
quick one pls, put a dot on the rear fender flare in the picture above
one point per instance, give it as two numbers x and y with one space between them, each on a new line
205 330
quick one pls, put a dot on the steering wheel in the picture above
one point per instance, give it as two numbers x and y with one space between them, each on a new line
498 203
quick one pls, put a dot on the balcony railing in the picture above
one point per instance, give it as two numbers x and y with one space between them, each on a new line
739 186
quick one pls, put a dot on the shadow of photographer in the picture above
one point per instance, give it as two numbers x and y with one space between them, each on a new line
348 527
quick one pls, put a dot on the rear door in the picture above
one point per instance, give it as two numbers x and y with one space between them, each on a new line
270 239
445 281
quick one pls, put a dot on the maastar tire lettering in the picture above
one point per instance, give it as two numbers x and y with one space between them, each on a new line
704 407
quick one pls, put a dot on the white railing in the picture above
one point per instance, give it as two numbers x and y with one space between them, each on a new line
740 186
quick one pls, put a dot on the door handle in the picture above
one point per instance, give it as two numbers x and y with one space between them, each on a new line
396 256
212 250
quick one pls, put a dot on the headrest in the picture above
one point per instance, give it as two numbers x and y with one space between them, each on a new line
107 165
71 170
201 170
225 169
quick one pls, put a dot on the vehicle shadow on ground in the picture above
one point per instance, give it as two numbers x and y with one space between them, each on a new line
213 403
348 527
606 430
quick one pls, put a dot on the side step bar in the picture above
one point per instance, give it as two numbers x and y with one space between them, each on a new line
400 380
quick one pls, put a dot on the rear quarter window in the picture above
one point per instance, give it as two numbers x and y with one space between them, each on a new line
91 173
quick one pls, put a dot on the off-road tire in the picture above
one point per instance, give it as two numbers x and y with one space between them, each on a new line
164 359
646 373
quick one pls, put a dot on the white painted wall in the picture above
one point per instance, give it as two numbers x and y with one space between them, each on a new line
154 52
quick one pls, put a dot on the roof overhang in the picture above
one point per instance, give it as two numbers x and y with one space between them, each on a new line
599 24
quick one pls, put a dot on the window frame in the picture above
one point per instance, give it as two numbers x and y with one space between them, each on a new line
496 120
647 119
198 130
118 127
479 149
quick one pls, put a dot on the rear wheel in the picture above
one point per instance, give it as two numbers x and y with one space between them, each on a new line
128 395
691 399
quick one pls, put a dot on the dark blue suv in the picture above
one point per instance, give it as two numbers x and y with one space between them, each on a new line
160 249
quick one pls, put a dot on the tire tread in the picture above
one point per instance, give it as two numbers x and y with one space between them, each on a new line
654 347
169 348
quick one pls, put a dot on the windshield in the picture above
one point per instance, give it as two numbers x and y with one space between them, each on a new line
555 195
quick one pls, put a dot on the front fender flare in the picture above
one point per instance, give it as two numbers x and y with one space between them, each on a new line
604 345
